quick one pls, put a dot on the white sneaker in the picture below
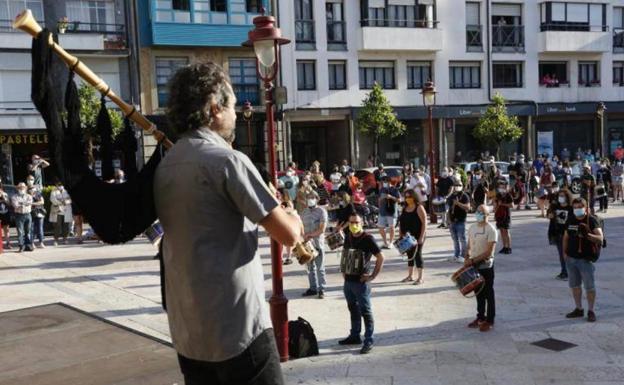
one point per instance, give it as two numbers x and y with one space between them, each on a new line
450 259
459 260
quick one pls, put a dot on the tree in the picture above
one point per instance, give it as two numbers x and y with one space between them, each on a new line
496 127
377 118
89 109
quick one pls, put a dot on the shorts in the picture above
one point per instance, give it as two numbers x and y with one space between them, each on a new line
386 222
580 271
503 223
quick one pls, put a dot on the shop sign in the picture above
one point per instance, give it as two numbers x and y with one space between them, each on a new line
560 109
23 139
471 112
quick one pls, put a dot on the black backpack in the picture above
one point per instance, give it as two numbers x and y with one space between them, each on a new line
301 339
597 248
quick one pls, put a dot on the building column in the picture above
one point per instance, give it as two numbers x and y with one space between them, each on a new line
530 142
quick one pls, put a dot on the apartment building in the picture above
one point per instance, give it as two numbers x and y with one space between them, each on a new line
471 50
174 33
96 33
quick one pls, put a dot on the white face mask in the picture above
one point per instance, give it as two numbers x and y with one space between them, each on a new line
311 202
30 182
444 174
502 190
459 188
386 185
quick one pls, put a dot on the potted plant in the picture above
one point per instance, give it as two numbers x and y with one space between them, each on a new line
62 24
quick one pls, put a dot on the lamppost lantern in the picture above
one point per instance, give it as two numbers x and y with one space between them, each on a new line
429 94
248 110
266 39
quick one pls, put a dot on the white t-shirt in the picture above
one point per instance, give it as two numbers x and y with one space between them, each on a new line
479 237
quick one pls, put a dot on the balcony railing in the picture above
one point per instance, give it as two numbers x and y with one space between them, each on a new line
577 27
336 32
246 92
618 40
508 38
304 31
114 34
589 83
474 40
396 23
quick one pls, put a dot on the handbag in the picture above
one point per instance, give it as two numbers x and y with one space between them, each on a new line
39 212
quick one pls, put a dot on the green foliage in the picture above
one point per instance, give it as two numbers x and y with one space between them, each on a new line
376 118
89 109
45 192
496 127
463 176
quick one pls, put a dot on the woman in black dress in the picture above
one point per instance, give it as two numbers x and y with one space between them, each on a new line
413 220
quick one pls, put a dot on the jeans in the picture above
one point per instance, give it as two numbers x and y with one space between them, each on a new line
22 222
61 228
258 365
581 271
559 244
358 295
316 271
458 234
37 229
485 299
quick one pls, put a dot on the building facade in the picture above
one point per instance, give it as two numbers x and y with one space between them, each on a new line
96 33
174 33
553 61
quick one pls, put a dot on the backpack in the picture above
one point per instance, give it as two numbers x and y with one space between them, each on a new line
598 248
301 339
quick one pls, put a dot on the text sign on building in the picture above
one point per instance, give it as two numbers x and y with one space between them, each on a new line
23 139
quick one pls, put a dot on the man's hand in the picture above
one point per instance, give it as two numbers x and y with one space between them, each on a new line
366 278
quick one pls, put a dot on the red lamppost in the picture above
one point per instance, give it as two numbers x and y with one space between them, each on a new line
429 100
248 111
265 39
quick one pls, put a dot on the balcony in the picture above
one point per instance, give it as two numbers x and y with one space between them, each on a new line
507 38
474 38
569 38
400 35
247 92
618 40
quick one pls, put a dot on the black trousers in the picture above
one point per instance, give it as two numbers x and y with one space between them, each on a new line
486 307
415 253
258 365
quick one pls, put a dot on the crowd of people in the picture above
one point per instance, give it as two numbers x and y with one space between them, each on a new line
28 210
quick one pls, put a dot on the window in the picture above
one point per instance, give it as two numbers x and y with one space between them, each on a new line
618 17
401 15
618 29
588 74
418 73
376 17
91 15
10 8
335 22
465 74
165 68
244 80
337 75
618 73
568 16
306 75
507 75
181 5
380 72
304 22
218 5
553 74
254 6
473 26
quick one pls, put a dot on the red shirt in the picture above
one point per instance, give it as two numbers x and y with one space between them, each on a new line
619 153
359 197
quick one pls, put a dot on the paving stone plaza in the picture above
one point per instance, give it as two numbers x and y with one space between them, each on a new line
420 331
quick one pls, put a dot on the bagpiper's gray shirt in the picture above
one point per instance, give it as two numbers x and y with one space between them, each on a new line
209 199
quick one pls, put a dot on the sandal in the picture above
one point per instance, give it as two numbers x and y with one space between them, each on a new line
419 281
407 279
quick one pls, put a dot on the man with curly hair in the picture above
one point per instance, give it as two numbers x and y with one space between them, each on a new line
209 199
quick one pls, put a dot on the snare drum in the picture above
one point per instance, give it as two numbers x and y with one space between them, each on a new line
600 191
334 240
353 262
304 252
468 280
405 244
439 205
154 233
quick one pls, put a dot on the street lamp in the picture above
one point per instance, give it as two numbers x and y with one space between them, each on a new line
248 112
601 110
265 39
429 100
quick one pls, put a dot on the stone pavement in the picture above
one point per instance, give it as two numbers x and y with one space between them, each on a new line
420 331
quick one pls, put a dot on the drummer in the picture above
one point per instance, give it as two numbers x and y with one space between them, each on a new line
389 196
413 220
482 238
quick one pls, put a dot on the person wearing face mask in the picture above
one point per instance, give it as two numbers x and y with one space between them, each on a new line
366 211
60 212
581 241
22 206
617 180
345 208
559 212
413 220
291 180
603 180
35 168
459 205
546 181
482 238
335 179
303 190
388 198
588 186
481 191
38 214
314 220
358 273
444 188
5 217
503 203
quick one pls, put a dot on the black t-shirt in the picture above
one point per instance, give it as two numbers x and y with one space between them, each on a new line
479 194
585 188
560 218
573 230
444 186
603 175
456 213
365 243
409 222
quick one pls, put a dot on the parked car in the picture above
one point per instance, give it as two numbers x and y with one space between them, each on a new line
367 177
469 167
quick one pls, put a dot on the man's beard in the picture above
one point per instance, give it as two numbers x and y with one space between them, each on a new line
228 134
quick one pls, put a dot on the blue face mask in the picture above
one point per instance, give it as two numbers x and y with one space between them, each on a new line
480 217
580 212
